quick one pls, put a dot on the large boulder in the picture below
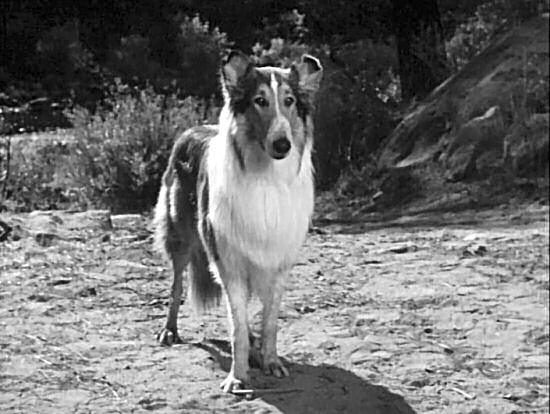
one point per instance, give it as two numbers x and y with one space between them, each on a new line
47 226
526 146
466 121
479 136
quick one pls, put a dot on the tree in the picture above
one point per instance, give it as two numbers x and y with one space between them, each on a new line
421 50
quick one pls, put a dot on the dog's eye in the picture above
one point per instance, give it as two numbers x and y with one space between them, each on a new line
289 100
260 101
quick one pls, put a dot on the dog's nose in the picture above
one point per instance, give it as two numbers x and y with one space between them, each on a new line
281 146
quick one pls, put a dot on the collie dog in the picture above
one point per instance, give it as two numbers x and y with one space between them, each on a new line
236 202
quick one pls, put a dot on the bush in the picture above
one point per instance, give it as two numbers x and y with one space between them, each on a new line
132 61
280 53
28 174
113 158
122 149
375 95
61 64
200 49
489 19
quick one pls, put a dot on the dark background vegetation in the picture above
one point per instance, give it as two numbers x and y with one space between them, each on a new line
128 76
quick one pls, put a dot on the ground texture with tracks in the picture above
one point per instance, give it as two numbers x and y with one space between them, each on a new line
428 313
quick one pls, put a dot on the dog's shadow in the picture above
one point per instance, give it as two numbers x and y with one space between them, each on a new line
321 389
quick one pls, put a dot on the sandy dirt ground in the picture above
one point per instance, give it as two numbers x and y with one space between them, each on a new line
430 313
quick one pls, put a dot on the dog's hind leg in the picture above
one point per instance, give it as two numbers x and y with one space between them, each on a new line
169 334
237 298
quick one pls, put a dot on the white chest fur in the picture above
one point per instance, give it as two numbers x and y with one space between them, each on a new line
262 216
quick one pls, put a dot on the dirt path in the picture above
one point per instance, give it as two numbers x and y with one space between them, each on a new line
425 314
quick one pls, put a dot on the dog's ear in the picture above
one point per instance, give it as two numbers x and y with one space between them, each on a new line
235 66
310 73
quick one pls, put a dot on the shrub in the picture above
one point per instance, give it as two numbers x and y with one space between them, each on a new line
376 93
113 158
280 53
200 49
131 60
61 63
28 172
489 19
122 149
194 49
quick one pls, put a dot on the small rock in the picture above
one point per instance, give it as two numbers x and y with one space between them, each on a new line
328 346
45 239
127 221
87 292
306 309
42 226
360 357
5 231
61 281
382 355
363 355
365 319
288 312
401 248
340 332
89 220
127 265
474 236
317 230
420 383
40 297
474 250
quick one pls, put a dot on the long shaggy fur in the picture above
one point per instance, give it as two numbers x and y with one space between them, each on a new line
176 226
236 202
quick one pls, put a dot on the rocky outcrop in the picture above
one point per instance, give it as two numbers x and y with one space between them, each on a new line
479 136
526 146
492 114
47 226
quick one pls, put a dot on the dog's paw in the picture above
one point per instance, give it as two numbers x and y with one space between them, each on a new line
231 383
166 337
274 366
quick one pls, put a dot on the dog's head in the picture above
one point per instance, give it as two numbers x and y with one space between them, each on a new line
275 103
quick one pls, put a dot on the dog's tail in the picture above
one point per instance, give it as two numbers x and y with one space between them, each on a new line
161 222
204 291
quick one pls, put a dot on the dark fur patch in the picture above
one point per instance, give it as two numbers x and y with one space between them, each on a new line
240 95
183 170
238 152
205 226
189 234
187 154
304 104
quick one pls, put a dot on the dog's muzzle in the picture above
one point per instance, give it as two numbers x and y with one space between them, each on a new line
280 148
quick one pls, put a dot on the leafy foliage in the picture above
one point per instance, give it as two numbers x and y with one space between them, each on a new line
115 157
169 51
488 19
122 150
29 181
200 49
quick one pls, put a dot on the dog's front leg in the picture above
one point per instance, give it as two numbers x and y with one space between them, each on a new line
237 298
271 302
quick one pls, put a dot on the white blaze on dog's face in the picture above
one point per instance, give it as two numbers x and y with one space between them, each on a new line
275 104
